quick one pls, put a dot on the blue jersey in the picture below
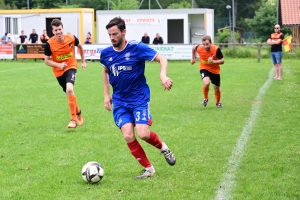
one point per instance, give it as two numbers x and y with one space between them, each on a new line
126 71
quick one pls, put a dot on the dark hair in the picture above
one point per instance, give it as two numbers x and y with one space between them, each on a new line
117 21
56 22
206 37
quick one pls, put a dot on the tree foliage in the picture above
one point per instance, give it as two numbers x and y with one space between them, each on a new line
264 20
183 4
124 5
224 36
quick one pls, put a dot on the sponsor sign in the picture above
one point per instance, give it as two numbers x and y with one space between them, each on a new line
6 51
30 50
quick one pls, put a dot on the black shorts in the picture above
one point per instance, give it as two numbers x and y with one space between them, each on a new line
68 77
214 78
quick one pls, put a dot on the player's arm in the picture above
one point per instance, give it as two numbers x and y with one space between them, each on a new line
194 50
279 40
166 81
107 98
220 58
50 62
81 52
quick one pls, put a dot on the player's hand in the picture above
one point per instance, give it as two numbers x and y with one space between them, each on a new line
63 65
211 59
83 65
193 61
108 103
166 82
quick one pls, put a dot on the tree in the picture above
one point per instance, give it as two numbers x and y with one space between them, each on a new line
183 4
264 20
124 5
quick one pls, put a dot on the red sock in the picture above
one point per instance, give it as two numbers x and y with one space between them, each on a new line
154 140
205 91
138 152
72 106
218 96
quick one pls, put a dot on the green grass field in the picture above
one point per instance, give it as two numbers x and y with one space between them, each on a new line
248 150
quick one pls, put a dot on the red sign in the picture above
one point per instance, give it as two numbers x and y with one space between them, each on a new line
6 51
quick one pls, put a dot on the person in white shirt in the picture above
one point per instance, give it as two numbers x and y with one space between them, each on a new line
9 39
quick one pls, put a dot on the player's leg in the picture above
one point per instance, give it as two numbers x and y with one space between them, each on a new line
216 81
274 61
279 64
142 114
70 77
205 87
125 121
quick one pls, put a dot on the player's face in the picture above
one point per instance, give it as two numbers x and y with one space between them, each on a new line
58 31
116 36
206 45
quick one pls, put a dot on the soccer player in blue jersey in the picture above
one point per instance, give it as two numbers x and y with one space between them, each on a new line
124 67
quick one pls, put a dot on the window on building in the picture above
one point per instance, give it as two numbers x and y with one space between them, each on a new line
11 25
15 26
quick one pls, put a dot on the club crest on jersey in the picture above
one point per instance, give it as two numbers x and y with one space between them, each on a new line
114 70
110 59
127 56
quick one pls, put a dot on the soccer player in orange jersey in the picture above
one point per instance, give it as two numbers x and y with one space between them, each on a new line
60 55
210 59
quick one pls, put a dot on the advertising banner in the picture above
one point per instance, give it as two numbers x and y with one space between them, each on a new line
6 51
30 50
171 52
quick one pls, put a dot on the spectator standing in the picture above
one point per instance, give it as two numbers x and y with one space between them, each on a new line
44 37
146 39
3 39
9 39
34 37
88 39
23 38
275 40
158 39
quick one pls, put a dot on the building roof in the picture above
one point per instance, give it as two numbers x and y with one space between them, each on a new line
290 12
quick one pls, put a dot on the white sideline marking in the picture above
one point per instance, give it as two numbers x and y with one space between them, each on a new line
227 183
9 70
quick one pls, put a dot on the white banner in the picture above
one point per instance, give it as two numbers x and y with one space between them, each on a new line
171 52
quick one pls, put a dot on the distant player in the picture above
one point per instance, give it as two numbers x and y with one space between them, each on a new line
64 65
124 67
210 59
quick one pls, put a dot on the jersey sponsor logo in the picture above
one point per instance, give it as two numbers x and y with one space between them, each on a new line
206 62
116 69
64 56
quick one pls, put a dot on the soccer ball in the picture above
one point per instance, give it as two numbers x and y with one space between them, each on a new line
92 172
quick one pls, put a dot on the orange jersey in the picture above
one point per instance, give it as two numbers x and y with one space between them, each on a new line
63 52
204 55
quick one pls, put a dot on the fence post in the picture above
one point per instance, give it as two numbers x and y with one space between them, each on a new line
258 52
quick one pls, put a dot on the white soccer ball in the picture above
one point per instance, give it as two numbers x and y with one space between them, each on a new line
92 172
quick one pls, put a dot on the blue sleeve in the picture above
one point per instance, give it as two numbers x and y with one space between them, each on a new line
102 61
145 52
